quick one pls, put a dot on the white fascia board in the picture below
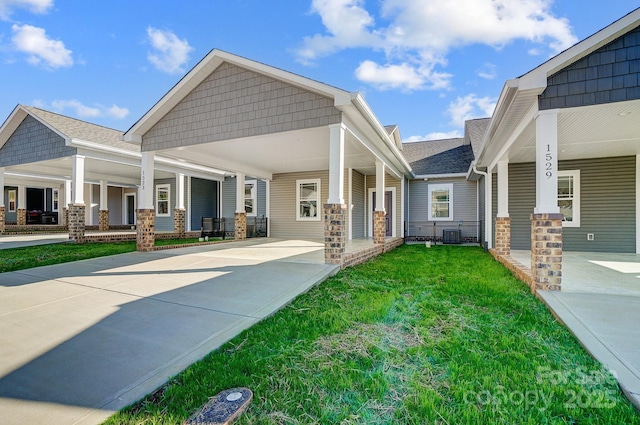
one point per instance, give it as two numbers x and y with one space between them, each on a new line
439 176
11 123
23 175
381 146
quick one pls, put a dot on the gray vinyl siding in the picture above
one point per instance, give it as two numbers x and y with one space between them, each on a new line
114 203
33 142
283 206
389 181
165 224
358 205
234 102
607 205
204 201
229 197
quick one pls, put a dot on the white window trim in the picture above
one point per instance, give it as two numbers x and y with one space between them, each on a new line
576 197
318 202
55 193
166 187
439 186
15 200
254 197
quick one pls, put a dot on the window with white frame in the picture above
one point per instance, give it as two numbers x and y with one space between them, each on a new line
163 196
308 200
55 200
13 200
440 202
250 204
569 197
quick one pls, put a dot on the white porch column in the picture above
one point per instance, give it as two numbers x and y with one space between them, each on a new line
547 162
503 222
240 178
336 164
1 187
67 193
145 215
103 218
145 200
379 186
77 177
488 208
180 191
103 195
503 188
22 197
268 206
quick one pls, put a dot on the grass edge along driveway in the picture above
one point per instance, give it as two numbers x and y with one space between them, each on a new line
416 336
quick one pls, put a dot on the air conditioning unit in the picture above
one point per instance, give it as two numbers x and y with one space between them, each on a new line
450 236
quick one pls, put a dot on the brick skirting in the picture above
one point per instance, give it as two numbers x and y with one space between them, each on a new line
103 220
519 270
2 216
353 258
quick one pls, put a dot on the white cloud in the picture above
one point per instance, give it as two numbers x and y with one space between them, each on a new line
470 107
488 71
34 6
83 111
434 136
170 53
34 42
417 35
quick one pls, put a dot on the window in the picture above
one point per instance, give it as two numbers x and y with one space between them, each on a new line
56 197
569 197
162 200
441 201
308 200
13 195
250 204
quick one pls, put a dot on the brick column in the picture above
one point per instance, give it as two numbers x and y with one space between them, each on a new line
76 222
546 251
379 227
2 218
65 218
103 220
503 236
335 233
240 229
145 228
21 217
179 221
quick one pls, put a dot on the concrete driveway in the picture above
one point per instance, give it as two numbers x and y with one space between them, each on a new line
80 341
600 304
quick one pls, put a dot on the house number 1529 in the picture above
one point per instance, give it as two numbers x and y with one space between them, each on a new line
548 166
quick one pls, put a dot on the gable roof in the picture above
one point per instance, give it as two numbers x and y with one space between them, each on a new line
474 131
68 128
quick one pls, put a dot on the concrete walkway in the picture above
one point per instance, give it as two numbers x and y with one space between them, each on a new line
600 304
19 241
80 341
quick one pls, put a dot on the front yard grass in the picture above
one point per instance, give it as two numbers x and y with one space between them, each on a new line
417 336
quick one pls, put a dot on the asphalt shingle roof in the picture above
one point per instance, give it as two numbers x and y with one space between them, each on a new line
438 156
474 131
82 130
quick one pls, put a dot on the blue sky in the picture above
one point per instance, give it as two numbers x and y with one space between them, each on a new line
426 65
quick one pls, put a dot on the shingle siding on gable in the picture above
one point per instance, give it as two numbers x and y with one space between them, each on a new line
610 74
234 102
33 142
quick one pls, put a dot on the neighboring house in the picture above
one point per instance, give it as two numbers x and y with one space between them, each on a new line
319 151
560 162
45 156
442 205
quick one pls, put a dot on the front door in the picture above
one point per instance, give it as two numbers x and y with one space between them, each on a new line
388 207
130 208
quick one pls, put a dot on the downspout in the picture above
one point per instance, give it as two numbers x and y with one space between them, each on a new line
487 206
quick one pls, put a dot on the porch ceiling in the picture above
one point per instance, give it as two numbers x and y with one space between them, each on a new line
265 155
595 131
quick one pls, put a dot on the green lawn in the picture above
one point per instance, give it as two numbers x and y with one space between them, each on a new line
417 336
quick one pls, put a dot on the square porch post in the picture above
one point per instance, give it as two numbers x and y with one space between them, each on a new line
66 203
240 218
145 215
103 218
335 210
379 214
179 213
21 212
546 220
76 212
503 221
